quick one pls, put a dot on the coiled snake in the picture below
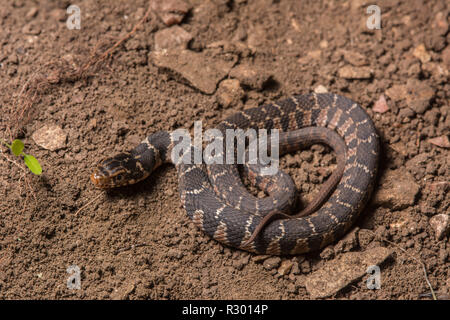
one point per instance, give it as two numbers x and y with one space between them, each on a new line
217 201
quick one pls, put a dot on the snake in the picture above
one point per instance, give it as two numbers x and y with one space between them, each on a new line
218 202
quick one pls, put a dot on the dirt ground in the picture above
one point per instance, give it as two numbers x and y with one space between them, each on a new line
138 242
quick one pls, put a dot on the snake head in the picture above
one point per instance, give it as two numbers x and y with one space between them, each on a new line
117 171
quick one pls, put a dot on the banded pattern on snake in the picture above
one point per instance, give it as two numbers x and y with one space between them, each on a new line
216 200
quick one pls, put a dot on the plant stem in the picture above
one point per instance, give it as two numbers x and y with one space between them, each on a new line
8 145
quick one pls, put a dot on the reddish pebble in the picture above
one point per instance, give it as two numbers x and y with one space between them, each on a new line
381 106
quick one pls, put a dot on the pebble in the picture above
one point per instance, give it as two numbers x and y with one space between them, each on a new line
441 141
349 242
175 254
241 263
58 14
355 58
421 53
170 11
229 93
419 95
441 225
365 237
337 274
349 72
310 57
249 76
295 268
446 57
381 105
260 258
327 253
323 44
13 58
440 24
271 263
305 266
50 137
397 92
291 288
31 28
320 89
198 69
406 113
427 210
397 191
173 37
32 13
119 128
285 267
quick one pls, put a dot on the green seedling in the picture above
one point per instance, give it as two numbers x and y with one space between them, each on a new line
31 162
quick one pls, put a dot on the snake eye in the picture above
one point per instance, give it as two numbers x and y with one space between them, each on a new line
119 177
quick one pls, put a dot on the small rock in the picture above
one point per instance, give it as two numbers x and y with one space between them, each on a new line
310 57
119 128
58 15
256 37
92 124
305 266
427 210
78 98
337 274
441 225
285 267
198 69
432 117
355 58
260 258
31 28
172 37
327 253
229 93
441 141
323 44
440 24
421 53
320 89
170 11
50 137
446 57
271 263
241 263
295 268
291 288
175 254
13 58
419 96
347 243
349 72
32 13
381 105
397 92
365 237
397 191
406 113
248 76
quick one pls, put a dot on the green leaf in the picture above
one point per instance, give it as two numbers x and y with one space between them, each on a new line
17 147
32 164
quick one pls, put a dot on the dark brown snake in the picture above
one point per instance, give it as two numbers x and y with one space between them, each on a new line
217 201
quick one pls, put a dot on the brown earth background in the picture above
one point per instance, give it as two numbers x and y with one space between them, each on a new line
203 60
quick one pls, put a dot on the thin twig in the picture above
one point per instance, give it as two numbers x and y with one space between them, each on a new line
79 210
131 247
416 259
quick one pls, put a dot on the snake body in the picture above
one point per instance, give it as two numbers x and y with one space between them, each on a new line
216 200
